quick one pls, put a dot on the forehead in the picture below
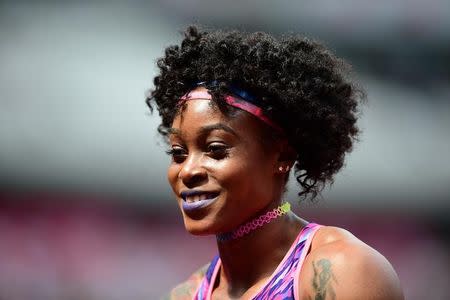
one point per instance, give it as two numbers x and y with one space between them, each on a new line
197 112
200 113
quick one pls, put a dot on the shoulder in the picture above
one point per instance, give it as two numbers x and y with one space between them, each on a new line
340 266
187 289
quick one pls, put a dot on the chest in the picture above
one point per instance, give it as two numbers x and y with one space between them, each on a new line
221 292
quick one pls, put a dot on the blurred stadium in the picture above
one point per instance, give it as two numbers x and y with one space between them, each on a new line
85 210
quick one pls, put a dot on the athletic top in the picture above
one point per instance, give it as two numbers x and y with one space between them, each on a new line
283 284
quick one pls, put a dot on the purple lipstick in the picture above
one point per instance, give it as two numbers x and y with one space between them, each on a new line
197 199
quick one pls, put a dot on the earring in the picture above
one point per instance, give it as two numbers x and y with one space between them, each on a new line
284 169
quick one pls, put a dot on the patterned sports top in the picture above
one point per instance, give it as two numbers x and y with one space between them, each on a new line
283 284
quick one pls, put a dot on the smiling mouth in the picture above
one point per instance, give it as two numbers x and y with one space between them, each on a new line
198 196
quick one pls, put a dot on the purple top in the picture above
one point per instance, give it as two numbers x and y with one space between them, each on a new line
283 284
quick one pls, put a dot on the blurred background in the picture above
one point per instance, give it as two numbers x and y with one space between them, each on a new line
85 210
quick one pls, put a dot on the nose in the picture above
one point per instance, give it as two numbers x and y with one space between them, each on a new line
192 172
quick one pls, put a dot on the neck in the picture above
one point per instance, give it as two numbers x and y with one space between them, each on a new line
249 260
255 223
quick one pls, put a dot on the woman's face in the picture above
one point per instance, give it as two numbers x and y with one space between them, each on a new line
220 172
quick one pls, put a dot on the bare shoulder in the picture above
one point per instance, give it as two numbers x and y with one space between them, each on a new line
340 266
187 289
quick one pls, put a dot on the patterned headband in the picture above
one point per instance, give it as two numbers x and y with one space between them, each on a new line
239 99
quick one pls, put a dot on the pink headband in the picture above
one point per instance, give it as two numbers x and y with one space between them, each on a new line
233 101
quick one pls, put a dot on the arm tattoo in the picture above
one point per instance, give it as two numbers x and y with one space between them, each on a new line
183 291
323 277
186 290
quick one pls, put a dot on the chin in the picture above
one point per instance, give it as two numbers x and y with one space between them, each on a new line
198 227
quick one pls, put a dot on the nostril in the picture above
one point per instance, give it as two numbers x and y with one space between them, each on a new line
194 179
192 172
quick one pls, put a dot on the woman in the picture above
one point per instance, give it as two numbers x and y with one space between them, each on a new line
239 111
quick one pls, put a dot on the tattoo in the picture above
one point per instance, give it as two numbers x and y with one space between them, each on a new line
187 289
165 297
184 290
323 277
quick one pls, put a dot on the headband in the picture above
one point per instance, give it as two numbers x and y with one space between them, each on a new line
241 99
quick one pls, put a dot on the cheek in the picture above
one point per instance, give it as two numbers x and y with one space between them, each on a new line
256 172
172 175
233 174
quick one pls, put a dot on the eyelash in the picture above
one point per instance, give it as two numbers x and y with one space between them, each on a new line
174 151
219 150
214 150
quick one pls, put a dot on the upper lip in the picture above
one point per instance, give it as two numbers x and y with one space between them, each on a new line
189 193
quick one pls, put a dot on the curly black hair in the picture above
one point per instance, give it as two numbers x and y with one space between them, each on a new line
303 87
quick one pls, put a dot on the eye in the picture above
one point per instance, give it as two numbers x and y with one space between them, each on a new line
178 154
218 150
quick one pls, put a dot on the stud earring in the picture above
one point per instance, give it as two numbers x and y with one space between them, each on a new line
284 169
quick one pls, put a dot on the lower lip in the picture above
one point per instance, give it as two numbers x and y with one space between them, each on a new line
197 205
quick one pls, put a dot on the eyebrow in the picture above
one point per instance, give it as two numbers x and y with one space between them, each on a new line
174 131
206 129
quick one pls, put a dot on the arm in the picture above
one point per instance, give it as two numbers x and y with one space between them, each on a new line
343 267
187 289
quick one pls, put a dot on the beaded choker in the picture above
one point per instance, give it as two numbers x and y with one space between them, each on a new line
255 223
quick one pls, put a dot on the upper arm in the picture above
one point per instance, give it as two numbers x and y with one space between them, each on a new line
187 289
348 269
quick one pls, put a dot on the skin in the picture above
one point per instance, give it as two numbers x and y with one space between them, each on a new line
214 153
340 266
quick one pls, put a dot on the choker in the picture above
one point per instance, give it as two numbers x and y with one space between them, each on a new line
255 223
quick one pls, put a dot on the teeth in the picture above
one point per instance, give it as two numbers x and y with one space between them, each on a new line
200 197
191 199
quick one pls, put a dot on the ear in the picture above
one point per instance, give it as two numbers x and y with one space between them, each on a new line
286 157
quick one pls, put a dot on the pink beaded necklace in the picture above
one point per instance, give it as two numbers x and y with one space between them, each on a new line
255 223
